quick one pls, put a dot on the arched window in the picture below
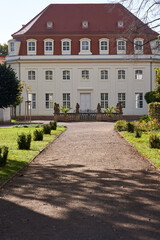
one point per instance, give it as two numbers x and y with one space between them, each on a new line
103 46
104 74
48 75
31 46
66 75
31 75
138 74
121 74
66 46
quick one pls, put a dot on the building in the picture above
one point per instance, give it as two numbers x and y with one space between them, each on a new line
86 54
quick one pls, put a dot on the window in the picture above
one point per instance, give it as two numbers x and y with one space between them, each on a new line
158 45
120 24
49 100
48 75
104 100
85 46
84 24
138 46
121 46
122 99
48 46
32 98
66 75
31 46
104 74
103 46
31 75
85 74
138 75
121 74
66 100
12 47
66 46
49 25
139 100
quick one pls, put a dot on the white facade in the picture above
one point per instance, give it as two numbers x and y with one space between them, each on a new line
5 115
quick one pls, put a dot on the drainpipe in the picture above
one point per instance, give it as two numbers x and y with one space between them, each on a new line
19 79
151 74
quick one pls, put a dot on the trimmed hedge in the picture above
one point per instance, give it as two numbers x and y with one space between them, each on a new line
154 111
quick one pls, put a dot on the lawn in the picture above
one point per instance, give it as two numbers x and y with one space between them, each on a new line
19 158
142 145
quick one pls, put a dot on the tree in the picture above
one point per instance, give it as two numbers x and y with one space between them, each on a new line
4 49
10 87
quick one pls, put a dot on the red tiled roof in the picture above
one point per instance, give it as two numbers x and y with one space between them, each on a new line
67 19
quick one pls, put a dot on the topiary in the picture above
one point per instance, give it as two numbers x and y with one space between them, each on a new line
38 135
120 125
53 125
24 141
130 127
154 141
46 129
3 155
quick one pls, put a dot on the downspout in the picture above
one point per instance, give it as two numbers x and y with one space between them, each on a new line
20 80
151 74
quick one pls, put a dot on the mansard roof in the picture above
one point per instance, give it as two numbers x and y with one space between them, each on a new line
68 18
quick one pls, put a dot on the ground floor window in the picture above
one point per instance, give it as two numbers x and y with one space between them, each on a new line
66 100
104 100
49 100
122 99
32 98
139 100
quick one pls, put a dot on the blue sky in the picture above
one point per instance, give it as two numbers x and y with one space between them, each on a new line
14 13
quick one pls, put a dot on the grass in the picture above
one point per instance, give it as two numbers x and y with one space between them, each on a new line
142 145
19 158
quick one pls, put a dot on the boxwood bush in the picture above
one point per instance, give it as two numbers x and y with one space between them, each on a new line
24 141
154 111
38 135
3 155
120 125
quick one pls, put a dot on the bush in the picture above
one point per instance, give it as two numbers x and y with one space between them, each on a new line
154 111
151 97
38 135
24 141
154 141
138 133
130 127
3 155
120 125
53 125
46 129
144 118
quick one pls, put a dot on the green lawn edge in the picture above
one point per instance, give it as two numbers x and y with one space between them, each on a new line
17 159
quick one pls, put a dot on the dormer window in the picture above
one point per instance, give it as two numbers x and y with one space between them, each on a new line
138 46
48 46
103 46
85 46
31 46
120 24
49 25
66 46
121 46
12 47
84 24
158 46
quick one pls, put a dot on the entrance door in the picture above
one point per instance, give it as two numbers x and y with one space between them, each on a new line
85 101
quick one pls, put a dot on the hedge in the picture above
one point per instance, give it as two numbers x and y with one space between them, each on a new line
154 111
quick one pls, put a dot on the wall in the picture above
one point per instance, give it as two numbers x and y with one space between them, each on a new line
5 115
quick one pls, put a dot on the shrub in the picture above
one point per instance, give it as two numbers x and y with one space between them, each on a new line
151 97
154 111
130 127
144 118
138 133
120 125
24 141
53 125
154 141
3 155
46 129
38 135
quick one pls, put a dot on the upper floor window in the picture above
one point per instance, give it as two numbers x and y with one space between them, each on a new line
85 46
85 74
66 75
138 74
48 46
31 46
48 75
104 74
103 46
121 46
31 75
158 45
66 46
84 24
121 74
12 46
138 46
49 25
120 24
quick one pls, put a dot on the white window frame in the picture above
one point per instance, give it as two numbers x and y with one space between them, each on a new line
158 45
121 74
138 74
101 50
122 99
88 51
67 51
138 49
31 75
120 46
48 75
104 101
104 74
139 100
66 75
31 52
66 100
49 101
85 74
49 25
48 51
32 98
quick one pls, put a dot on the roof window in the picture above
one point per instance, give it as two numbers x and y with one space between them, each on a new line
120 24
49 25
84 24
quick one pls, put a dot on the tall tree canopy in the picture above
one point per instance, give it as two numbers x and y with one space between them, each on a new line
4 49
10 86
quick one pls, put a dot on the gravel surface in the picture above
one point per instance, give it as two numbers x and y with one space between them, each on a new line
89 184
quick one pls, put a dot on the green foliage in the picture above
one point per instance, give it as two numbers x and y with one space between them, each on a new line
110 110
38 135
3 155
10 87
138 133
65 110
53 125
144 118
24 141
120 125
46 129
151 97
130 127
4 49
28 126
154 141
152 125
154 111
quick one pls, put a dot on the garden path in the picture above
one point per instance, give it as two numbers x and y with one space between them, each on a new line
89 184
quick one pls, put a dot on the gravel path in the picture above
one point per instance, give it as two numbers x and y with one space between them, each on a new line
89 184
